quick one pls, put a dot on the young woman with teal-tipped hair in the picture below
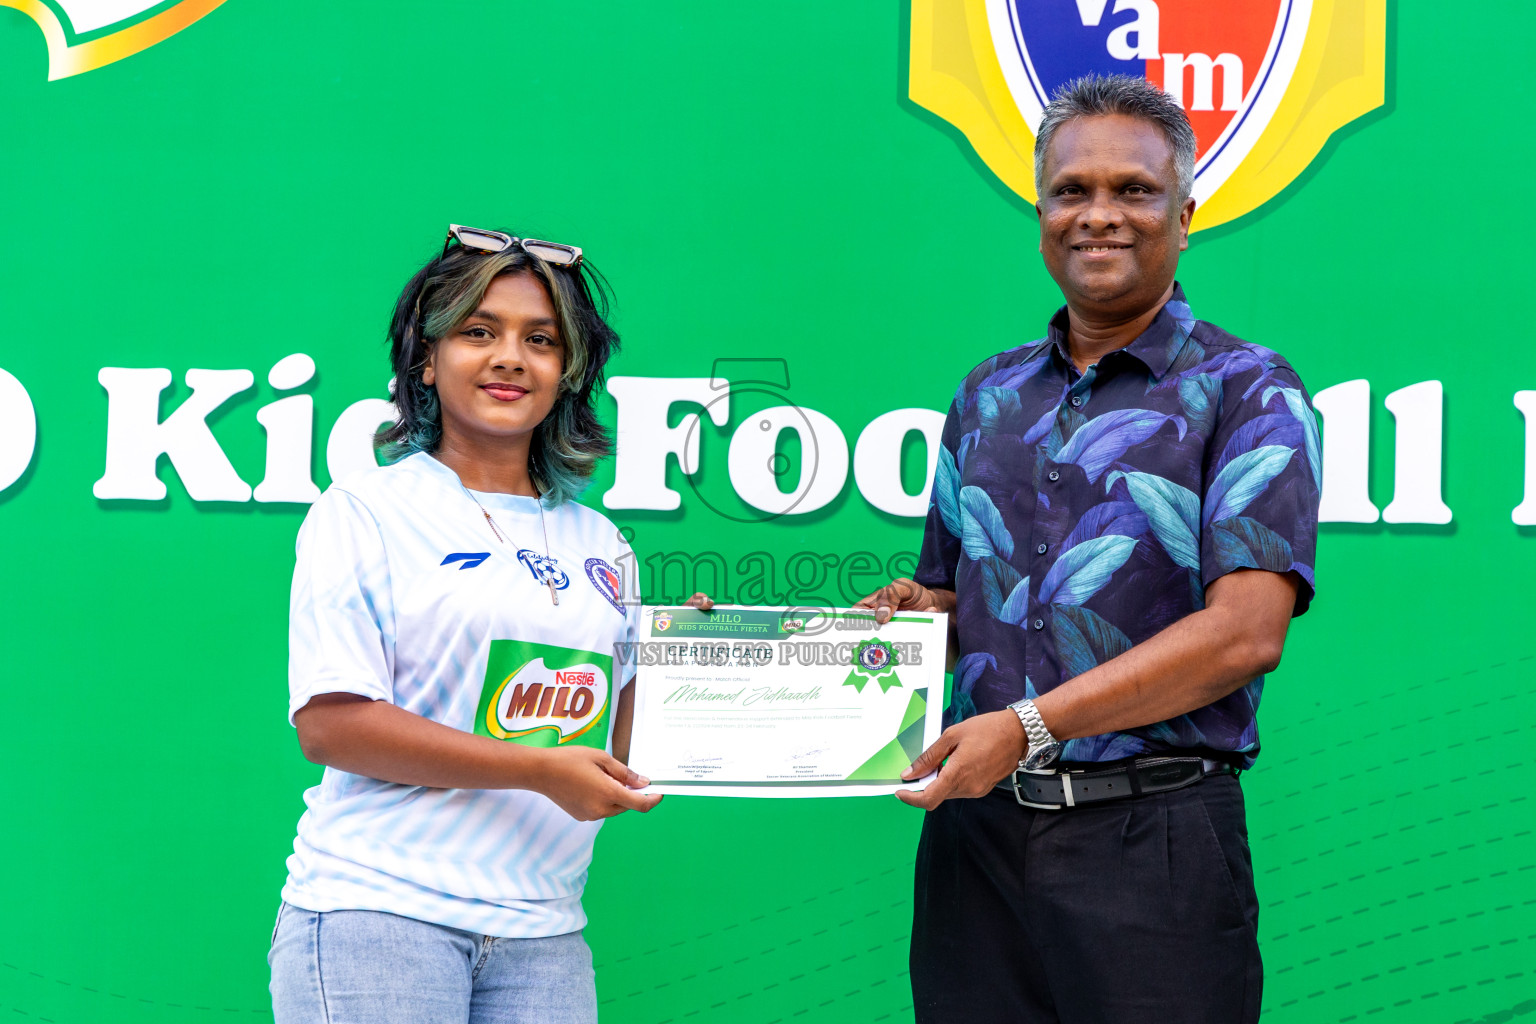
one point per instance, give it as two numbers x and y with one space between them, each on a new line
455 627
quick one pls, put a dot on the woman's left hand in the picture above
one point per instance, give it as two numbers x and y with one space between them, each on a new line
701 601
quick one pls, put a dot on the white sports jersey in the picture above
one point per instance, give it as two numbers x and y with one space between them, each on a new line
402 593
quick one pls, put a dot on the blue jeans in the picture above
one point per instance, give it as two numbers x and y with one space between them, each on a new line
367 967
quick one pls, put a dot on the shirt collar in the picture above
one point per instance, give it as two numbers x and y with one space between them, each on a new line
1156 348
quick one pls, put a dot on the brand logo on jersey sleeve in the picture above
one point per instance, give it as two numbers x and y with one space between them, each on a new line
545 696
606 579
1264 82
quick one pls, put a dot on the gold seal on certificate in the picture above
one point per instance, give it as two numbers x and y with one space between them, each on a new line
784 702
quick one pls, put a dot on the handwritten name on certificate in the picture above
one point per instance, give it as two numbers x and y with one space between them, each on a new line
784 702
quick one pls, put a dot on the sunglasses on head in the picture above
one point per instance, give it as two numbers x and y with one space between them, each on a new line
483 240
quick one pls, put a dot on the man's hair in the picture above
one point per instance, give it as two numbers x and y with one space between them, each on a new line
1098 95
568 444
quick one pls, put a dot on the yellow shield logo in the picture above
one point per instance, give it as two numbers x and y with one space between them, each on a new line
1264 82
83 35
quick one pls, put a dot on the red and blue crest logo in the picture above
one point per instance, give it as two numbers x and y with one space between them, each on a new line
1264 82
606 579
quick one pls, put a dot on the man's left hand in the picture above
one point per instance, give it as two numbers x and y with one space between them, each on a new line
981 751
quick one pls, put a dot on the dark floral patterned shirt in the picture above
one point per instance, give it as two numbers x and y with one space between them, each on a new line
1076 515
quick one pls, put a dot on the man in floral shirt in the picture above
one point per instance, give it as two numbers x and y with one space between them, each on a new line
1123 524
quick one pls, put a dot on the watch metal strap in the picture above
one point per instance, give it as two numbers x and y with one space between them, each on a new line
1034 725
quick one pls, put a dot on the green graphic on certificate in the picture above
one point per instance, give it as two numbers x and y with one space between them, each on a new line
874 661
830 706
544 696
892 759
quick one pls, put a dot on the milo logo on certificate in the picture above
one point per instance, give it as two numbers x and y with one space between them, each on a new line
545 696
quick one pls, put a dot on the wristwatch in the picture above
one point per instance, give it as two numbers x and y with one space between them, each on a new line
1043 747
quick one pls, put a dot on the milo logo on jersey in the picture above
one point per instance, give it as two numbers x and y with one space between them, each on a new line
1264 82
545 696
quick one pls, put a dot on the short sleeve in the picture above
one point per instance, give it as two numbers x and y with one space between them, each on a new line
341 612
1263 476
626 649
939 560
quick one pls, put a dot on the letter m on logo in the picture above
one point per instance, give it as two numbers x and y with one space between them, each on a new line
524 701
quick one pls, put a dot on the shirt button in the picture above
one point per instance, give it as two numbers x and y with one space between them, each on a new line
1053 476
1039 623
1040 550
1077 401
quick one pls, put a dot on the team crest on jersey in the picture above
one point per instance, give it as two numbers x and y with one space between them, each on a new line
606 579
1264 82
544 568
83 35
544 696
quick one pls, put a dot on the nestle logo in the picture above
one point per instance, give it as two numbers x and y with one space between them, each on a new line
575 679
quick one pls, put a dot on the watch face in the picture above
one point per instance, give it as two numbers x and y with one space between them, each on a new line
1039 757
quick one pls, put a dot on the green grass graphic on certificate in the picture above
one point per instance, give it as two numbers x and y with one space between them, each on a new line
887 763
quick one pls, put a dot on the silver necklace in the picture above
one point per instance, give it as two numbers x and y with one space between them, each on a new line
550 569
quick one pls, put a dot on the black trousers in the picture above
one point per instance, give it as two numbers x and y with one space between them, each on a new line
1132 910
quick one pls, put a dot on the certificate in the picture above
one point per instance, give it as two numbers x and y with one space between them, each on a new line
778 702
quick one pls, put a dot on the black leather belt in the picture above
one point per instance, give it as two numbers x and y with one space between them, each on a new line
1059 788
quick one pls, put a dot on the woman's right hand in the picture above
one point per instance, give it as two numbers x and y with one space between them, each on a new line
588 784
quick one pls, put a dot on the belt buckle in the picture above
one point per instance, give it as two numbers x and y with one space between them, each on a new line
1018 794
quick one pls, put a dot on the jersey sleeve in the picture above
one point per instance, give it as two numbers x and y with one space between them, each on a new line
1263 478
627 652
939 560
341 622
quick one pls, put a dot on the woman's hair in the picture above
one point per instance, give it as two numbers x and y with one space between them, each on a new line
568 444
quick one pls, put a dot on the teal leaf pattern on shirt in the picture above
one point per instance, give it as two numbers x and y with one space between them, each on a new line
1248 542
1242 480
1120 518
998 411
1016 608
1081 572
946 491
969 668
1297 405
999 583
1085 639
982 532
1192 453
967 671
1172 511
1275 428
1042 429
1199 395
1065 423
1102 440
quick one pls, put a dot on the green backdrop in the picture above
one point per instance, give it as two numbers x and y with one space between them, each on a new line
754 183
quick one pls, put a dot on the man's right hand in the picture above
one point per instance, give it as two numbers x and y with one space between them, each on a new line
906 595
588 784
